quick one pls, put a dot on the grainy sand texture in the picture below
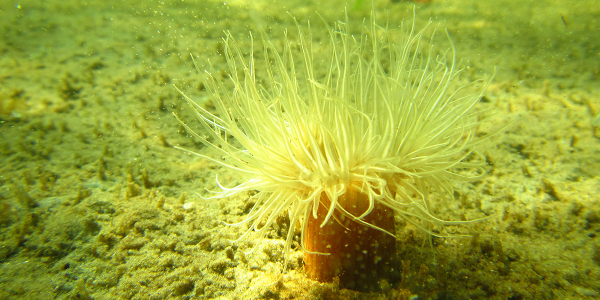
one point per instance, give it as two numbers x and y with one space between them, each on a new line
96 203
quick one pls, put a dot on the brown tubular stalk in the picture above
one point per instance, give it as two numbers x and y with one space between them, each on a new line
359 255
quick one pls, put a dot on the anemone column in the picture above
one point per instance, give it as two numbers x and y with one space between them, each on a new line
359 255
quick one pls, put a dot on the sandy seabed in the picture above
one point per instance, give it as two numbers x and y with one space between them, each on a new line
95 203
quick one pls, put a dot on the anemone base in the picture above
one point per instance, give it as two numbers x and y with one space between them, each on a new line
359 255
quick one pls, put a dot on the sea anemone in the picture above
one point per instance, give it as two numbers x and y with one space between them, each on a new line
382 122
